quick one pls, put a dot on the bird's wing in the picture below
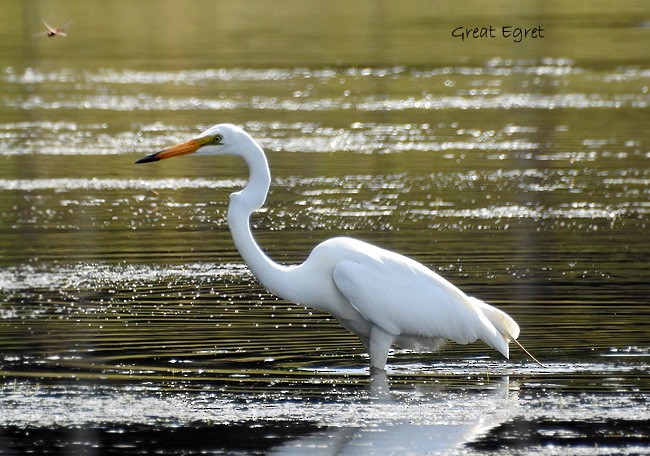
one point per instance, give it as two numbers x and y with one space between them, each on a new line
403 297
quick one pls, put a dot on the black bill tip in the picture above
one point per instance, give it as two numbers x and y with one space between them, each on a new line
149 158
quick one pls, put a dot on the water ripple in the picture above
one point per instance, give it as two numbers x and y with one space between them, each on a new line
88 276
66 184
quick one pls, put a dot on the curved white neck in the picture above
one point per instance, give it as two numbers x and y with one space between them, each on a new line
242 205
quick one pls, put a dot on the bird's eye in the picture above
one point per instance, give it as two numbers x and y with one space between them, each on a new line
217 139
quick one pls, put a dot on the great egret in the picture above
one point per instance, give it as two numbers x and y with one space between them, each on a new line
383 297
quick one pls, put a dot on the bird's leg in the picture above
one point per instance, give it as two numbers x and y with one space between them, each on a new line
380 342
379 385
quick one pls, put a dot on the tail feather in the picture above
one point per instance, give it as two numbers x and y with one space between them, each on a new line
501 320
506 327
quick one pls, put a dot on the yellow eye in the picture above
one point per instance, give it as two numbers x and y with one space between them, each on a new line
217 139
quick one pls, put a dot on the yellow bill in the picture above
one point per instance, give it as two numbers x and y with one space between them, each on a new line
185 148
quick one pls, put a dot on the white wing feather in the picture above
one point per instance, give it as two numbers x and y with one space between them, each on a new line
404 298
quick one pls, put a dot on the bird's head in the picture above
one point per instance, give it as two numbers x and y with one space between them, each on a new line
222 139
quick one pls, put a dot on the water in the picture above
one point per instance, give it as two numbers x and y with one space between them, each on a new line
129 323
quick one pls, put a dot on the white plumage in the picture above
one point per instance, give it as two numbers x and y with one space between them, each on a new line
383 297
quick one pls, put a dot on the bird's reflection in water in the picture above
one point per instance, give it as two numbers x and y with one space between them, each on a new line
430 429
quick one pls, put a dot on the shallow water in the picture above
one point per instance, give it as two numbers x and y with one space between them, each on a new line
129 323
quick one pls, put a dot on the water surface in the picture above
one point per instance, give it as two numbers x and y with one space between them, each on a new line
129 323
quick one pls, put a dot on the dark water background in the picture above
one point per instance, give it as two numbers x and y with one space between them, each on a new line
519 171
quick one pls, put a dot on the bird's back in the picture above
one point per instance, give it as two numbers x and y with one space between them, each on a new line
405 298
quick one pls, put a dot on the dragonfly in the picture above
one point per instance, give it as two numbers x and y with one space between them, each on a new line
54 31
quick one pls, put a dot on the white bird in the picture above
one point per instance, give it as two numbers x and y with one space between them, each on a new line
381 296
